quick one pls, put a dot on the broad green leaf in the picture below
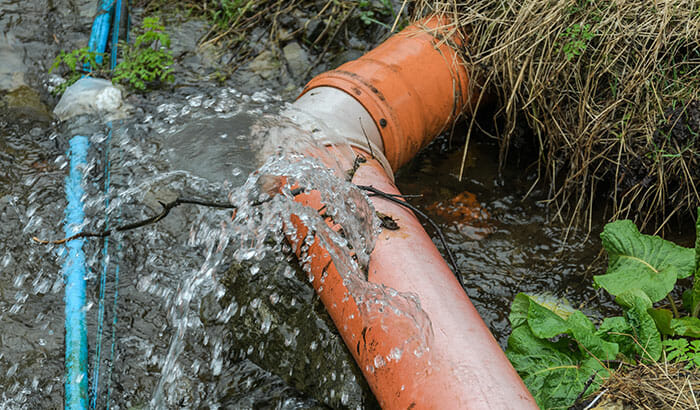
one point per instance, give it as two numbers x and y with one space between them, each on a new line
519 309
583 331
638 261
617 330
686 326
545 323
555 371
613 326
554 374
662 318
695 292
560 306
548 317
634 297
643 326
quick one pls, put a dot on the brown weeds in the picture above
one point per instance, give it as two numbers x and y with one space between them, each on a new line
609 88
653 386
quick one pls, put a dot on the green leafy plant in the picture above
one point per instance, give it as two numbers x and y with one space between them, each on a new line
76 64
228 12
575 40
681 350
144 62
147 60
369 11
559 352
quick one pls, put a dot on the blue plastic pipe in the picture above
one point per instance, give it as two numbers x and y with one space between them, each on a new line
100 29
74 273
74 268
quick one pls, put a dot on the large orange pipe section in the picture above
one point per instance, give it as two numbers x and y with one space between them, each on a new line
412 87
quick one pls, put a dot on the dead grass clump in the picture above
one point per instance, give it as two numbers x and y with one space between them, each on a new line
610 89
653 386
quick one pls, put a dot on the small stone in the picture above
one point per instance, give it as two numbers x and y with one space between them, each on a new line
265 65
297 60
284 34
27 102
90 96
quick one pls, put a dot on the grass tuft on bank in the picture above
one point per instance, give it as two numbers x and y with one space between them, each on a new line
610 89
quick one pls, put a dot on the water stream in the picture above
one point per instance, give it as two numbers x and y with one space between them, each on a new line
214 310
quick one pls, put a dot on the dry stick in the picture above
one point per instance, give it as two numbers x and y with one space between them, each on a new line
692 394
471 126
166 210
398 16
586 386
369 144
296 191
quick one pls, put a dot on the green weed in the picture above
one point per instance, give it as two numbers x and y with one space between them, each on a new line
76 63
147 60
370 10
144 62
680 350
575 39
229 11
558 350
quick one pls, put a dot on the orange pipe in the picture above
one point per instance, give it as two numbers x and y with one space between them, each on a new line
412 87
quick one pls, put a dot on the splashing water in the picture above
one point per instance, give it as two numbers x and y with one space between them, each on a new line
263 229
211 311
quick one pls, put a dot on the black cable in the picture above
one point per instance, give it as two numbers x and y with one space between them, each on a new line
393 198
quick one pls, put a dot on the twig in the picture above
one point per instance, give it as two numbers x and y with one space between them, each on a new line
166 210
398 16
375 192
586 386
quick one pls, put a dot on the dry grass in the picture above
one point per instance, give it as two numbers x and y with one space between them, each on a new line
652 386
608 88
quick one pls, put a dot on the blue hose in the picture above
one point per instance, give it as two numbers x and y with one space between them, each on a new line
100 30
74 273
74 267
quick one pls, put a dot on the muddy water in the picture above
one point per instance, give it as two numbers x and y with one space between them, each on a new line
277 348
511 246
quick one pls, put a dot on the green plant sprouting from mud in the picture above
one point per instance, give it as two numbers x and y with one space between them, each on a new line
369 11
145 62
229 12
559 352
